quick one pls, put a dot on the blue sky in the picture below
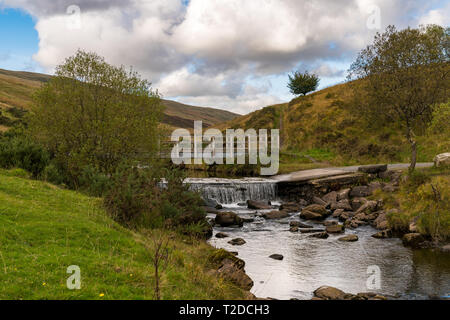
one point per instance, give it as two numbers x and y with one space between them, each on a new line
231 54
19 41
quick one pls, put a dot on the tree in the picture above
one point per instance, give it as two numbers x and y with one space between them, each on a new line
94 114
404 75
302 83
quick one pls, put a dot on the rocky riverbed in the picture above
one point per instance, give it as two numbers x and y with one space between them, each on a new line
339 239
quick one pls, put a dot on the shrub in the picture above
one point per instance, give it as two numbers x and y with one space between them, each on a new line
52 174
137 198
19 152
93 181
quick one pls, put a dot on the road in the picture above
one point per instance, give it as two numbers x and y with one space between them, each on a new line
305 175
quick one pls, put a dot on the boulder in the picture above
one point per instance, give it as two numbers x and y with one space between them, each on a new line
314 212
343 194
212 203
413 240
337 228
357 203
227 219
320 235
374 169
368 207
299 224
291 207
319 201
384 234
342 204
234 272
349 238
346 215
329 223
330 197
337 213
311 230
381 222
445 248
329 293
237 242
375 185
258 205
293 229
275 215
360 192
221 235
276 256
442 159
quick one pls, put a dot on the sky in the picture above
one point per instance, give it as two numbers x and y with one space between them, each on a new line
231 54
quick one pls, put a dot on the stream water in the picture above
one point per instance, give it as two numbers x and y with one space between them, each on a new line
309 262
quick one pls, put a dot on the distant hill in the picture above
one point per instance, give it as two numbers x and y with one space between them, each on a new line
17 87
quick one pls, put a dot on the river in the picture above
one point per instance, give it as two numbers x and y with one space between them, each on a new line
309 262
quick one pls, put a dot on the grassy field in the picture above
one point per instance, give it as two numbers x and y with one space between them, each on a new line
45 229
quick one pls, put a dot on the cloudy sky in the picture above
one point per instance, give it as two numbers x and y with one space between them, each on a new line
231 54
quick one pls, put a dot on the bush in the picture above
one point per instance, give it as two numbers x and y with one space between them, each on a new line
19 152
137 198
93 182
53 174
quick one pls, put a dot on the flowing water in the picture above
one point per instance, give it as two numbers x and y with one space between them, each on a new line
310 263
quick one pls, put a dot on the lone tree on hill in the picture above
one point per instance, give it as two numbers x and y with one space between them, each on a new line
404 74
303 83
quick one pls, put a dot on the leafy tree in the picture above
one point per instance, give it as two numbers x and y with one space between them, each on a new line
405 74
302 83
95 114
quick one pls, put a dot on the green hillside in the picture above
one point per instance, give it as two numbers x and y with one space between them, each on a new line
325 128
16 89
45 229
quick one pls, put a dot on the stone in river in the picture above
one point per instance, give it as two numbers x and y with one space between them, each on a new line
221 235
320 235
237 242
275 215
258 205
276 256
338 228
349 238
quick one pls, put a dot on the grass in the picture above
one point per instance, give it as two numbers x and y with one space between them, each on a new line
423 196
45 229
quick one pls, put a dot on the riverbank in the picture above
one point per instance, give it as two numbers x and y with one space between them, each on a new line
46 229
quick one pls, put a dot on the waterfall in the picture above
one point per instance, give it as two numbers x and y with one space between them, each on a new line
227 191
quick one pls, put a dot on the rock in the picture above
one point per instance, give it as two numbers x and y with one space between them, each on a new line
221 235
442 159
320 235
319 201
275 215
234 272
360 192
385 234
309 215
329 293
227 219
342 204
377 168
381 222
237 242
367 295
357 203
413 240
314 212
212 203
413 225
349 238
389 187
368 207
291 207
338 228
276 256
299 224
337 213
311 230
445 248
355 223
258 205
330 197
343 194
329 223
293 229
375 185
346 215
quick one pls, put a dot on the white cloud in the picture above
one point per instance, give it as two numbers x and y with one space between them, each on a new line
208 52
